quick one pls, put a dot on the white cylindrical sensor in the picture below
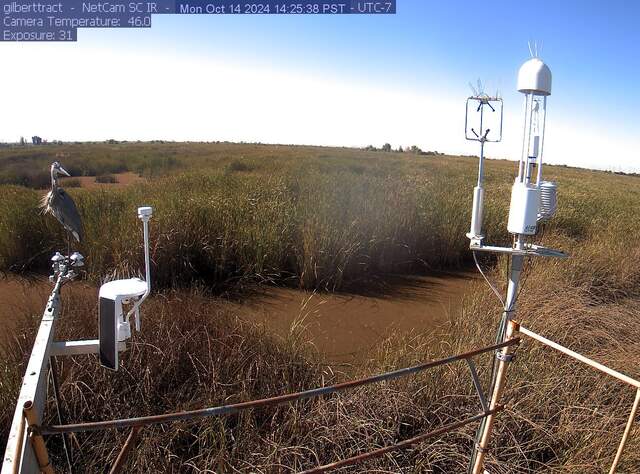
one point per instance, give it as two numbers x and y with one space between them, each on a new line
523 212
536 146
476 213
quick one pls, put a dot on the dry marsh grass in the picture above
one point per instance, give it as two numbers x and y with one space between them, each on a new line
325 218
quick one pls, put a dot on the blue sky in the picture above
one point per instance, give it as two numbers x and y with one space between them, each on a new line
424 55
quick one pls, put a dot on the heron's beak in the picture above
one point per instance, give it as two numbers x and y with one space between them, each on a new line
63 171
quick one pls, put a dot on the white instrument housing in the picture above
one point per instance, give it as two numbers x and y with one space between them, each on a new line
113 325
523 211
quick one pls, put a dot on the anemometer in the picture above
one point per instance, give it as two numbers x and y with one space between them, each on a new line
476 105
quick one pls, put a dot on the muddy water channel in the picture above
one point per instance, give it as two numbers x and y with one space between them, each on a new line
343 327
348 327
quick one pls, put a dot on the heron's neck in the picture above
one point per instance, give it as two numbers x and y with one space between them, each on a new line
54 179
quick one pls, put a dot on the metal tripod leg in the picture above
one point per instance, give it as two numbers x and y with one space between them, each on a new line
504 357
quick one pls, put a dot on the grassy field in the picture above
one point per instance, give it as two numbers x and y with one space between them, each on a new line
331 219
312 217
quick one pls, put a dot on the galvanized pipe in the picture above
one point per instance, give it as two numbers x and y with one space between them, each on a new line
497 375
483 445
237 407
580 357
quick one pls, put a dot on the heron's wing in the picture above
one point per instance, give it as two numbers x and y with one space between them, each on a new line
67 213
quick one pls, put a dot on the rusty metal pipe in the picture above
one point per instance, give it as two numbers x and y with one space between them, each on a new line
124 452
237 407
401 445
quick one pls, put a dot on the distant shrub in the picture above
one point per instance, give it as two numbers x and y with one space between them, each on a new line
106 179
27 178
240 166
357 169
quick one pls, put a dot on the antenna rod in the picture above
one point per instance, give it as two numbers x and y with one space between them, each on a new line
144 214
147 266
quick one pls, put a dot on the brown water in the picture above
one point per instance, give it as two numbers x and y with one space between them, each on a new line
344 328
347 327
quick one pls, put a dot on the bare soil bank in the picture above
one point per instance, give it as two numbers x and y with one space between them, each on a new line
123 179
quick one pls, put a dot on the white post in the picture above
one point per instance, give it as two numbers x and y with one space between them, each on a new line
144 214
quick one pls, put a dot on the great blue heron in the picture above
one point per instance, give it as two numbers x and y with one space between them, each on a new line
59 204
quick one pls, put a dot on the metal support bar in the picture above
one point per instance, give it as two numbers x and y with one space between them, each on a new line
37 441
596 365
482 446
529 250
498 372
401 445
19 442
237 407
477 384
19 454
602 368
627 430
122 456
72 348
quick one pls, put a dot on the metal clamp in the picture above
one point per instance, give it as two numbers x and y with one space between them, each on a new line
501 356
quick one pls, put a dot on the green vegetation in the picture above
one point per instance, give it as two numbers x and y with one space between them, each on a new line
330 219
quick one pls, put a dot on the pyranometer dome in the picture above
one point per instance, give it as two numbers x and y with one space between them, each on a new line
534 77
